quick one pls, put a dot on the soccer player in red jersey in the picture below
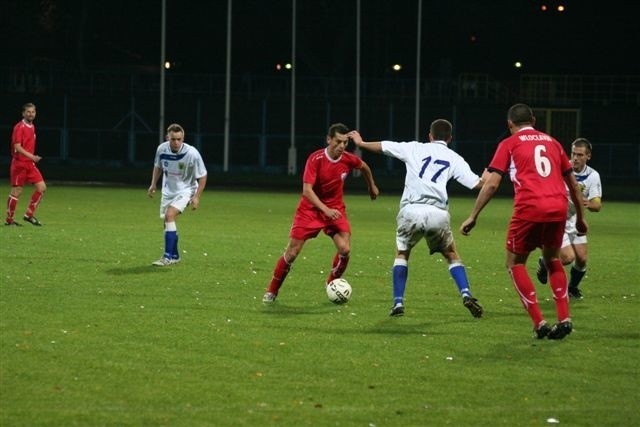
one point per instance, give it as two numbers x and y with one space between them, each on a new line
23 167
321 207
539 168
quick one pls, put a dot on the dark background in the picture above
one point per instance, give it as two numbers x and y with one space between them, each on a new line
93 69
589 37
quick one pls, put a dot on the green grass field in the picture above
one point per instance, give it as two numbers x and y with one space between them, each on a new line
92 335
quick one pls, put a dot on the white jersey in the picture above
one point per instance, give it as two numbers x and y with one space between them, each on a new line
430 166
181 170
590 186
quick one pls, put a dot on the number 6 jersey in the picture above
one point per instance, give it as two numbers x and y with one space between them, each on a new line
536 163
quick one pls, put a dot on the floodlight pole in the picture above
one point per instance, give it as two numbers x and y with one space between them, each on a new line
227 98
357 151
292 166
163 59
418 49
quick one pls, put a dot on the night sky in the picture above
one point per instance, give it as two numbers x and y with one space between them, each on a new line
457 36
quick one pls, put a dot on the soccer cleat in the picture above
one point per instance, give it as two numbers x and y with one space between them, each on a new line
542 331
269 297
32 220
397 310
12 222
541 272
473 306
574 292
163 262
560 330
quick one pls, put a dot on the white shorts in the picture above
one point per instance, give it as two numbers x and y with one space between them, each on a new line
417 222
571 235
179 201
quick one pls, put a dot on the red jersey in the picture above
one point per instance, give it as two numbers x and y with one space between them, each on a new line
25 135
327 176
536 163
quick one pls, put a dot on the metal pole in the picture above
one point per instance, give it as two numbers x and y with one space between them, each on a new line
292 169
227 99
163 59
418 49
357 151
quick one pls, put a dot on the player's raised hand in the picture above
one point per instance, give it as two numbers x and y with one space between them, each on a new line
355 136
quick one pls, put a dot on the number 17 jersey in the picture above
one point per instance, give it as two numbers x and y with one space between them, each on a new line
429 166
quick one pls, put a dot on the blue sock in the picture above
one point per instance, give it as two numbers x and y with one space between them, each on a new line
459 275
174 251
400 273
170 242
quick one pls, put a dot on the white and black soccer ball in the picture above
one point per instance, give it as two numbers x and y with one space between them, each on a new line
339 291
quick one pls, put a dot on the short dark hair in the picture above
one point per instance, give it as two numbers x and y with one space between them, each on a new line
520 114
337 128
28 105
174 127
582 142
441 130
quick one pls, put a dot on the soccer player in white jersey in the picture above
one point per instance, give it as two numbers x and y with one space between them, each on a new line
424 210
574 246
184 177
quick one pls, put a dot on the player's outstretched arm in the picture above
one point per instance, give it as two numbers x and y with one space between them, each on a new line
355 136
486 193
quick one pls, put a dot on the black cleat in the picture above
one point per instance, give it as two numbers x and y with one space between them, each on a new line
541 272
473 306
574 292
10 223
542 331
560 330
397 310
32 220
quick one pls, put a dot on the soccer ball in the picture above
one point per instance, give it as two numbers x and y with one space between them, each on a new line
339 291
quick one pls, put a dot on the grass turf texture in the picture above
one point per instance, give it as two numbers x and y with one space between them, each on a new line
92 334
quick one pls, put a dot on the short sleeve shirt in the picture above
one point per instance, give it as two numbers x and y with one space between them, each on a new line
536 163
430 166
327 177
25 135
590 186
181 170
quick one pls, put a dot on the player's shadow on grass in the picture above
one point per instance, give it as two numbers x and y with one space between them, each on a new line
140 269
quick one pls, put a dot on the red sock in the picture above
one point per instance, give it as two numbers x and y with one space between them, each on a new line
340 263
558 283
527 292
279 274
12 202
33 204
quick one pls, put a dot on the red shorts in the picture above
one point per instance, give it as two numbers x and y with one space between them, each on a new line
22 173
525 236
307 225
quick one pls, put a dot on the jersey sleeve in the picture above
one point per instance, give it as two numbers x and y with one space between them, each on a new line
395 149
501 159
463 173
595 189
310 171
200 168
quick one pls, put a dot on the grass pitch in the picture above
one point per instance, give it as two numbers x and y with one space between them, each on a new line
91 334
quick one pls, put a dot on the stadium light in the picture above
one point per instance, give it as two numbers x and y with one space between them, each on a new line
396 67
